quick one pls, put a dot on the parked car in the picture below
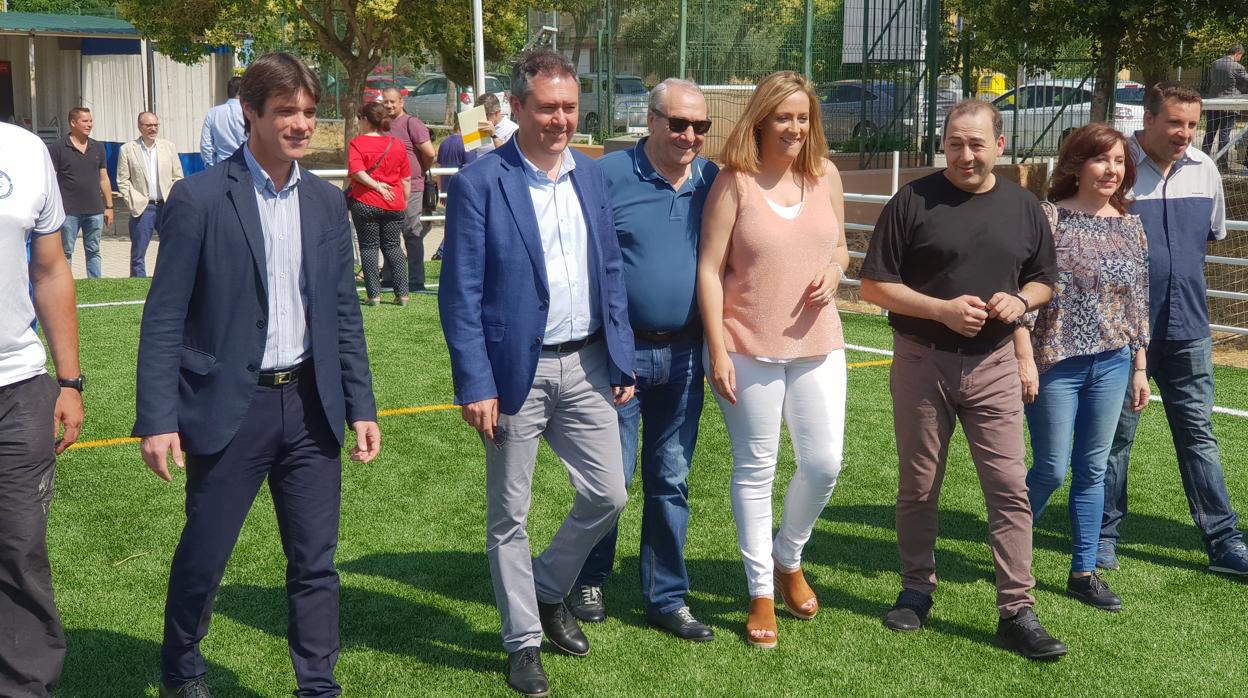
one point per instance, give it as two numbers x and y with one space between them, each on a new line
1038 117
374 85
631 102
428 100
888 106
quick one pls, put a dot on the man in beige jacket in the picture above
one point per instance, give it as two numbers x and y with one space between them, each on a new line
147 167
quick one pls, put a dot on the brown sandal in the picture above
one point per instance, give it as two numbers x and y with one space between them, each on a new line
762 617
795 592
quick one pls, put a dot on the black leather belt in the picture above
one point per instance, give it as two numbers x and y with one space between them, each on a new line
952 348
665 337
155 202
574 345
272 379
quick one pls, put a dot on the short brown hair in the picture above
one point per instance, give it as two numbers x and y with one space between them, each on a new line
1082 145
489 100
273 74
77 112
534 63
970 107
375 114
1162 91
741 151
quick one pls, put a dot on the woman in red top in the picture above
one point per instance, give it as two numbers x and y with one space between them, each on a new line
381 179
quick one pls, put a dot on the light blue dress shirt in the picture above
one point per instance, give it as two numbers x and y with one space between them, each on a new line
286 343
574 308
223 132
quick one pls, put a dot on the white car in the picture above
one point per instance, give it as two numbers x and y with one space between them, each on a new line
427 99
1038 117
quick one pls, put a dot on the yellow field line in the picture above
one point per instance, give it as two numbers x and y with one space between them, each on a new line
385 413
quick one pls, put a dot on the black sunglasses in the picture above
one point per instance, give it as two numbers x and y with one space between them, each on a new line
678 125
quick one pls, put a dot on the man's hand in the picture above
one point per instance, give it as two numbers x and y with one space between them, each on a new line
108 216
1140 390
1005 307
622 394
1030 379
156 449
486 127
822 289
965 315
481 415
67 418
367 441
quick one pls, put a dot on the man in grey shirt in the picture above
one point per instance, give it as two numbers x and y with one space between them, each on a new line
1225 77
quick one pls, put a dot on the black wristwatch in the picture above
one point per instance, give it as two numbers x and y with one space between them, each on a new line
75 383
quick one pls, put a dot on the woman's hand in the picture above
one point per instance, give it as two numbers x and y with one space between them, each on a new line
1139 390
724 377
1030 378
822 289
386 191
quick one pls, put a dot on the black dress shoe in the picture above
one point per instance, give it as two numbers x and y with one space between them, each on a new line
191 689
1093 591
525 673
561 628
909 611
586 603
1023 634
682 624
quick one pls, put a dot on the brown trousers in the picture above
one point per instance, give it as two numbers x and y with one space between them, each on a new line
930 389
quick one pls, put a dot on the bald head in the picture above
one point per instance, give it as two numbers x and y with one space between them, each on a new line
392 100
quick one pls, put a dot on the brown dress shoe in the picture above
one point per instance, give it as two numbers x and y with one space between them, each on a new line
795 593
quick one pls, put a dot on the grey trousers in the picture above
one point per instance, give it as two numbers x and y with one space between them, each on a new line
570 406
32 643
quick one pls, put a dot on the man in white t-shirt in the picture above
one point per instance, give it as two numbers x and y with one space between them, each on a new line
35 282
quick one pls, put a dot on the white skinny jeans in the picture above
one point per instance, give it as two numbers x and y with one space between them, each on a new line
809 394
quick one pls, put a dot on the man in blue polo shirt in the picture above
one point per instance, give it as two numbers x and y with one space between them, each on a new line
1178 195
661 173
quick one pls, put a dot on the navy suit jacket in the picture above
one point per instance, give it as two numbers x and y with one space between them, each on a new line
493 294
204 323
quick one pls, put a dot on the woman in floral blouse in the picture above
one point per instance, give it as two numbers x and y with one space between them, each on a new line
1085 349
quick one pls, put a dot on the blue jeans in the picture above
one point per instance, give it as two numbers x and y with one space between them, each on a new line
1183 371
141 229
669 400
91 227
1219 124
1078 404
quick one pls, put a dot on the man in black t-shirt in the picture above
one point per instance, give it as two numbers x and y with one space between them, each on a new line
957 257
82 172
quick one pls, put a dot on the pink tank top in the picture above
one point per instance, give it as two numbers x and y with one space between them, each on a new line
771 262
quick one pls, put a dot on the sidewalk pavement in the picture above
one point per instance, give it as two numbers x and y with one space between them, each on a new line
115 254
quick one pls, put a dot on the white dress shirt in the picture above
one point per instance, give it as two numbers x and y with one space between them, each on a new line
286 342
574 307
153 172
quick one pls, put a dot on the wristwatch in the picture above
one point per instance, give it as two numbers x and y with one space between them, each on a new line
75 383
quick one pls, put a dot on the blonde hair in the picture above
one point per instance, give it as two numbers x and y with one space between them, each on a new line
741 151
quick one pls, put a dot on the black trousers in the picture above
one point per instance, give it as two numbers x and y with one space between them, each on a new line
285 438
32 642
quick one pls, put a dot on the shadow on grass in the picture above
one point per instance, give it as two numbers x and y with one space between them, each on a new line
106 663
377 621
1052 534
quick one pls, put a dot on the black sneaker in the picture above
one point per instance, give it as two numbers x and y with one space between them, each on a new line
191 689
909 612
525 674
561 629
1023 633
1094 591
1107 554
587 604
1232 560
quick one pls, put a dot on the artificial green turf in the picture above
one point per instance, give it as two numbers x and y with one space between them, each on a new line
417 607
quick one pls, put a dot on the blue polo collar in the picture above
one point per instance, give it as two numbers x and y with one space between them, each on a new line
644 169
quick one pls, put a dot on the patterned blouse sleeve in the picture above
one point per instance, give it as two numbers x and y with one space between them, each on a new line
1139 319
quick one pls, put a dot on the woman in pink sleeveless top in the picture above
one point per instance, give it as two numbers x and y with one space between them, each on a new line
772 255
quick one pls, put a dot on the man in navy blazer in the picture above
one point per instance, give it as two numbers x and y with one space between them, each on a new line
534 312
252 358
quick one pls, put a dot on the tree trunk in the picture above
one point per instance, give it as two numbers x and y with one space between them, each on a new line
357 74
1106 72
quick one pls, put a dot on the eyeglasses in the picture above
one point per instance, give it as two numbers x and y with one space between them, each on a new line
678 125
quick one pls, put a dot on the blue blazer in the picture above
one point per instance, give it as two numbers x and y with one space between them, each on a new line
203 331
493 293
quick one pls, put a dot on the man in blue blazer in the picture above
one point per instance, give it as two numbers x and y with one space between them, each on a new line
534 312
252 358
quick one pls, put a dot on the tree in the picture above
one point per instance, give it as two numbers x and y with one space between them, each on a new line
1150 35
358 33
